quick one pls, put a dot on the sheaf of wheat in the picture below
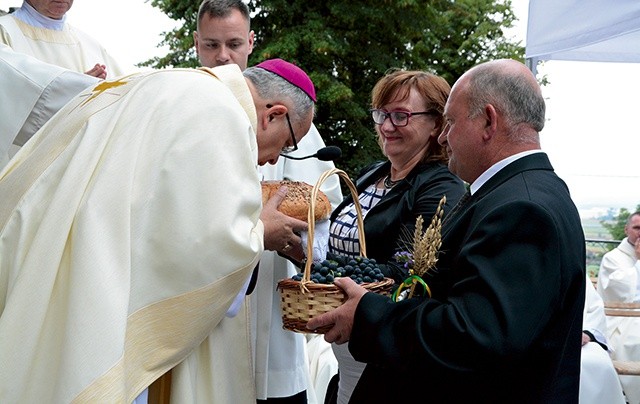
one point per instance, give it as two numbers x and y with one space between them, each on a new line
423 252
426 244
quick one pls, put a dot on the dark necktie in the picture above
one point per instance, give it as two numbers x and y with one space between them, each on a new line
463 201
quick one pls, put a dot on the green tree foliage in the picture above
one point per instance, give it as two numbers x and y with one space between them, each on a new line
615 227
346 46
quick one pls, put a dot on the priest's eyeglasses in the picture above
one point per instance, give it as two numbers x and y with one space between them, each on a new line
398 118
294 146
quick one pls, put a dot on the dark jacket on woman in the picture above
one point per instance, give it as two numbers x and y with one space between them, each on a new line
389 225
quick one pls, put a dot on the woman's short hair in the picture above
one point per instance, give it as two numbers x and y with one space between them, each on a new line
396 85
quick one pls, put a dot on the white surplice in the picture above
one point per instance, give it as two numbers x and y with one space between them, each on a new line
32 91
599 382
128 224
282 367
69 48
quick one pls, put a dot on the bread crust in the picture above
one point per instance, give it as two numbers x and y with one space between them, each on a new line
296 203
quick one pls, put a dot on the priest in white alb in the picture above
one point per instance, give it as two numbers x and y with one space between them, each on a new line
39 28
32 91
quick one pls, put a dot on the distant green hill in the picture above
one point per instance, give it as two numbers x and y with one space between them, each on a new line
593 230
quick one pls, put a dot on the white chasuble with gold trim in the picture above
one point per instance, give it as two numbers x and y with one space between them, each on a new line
128 224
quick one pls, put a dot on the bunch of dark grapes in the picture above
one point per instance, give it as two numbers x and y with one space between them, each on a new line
359 269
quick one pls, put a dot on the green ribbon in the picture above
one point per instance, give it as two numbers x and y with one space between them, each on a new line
410 281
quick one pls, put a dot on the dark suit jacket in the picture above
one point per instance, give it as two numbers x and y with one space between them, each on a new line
504 324
395 214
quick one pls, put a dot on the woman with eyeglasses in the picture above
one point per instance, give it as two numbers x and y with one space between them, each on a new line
407 110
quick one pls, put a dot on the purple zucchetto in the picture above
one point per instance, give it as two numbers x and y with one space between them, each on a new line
292 73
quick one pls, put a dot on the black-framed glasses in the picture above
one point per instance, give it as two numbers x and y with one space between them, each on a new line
398 118
294 147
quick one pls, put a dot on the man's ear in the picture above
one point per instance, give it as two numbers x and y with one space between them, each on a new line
271 112
491 120
251 40
263 119
275 110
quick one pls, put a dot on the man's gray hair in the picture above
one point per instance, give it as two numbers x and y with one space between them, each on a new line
270 86
221 9
511 94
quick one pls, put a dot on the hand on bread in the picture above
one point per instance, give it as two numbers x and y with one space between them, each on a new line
281 232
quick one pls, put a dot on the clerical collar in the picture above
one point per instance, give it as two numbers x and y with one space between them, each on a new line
32 17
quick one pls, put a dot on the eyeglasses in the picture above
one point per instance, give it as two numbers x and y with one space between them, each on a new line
398 118
294 147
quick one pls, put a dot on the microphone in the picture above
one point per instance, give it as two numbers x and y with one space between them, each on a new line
327 153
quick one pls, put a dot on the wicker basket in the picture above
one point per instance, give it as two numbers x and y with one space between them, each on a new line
303 300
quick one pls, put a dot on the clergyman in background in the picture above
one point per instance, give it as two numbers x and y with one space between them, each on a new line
43 88
224 36
39 28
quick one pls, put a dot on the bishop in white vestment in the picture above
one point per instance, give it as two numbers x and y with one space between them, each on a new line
128 224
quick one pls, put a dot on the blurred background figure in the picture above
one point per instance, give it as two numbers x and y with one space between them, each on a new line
599 382
43 89
39 28
619 281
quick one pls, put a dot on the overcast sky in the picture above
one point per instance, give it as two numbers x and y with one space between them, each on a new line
592 133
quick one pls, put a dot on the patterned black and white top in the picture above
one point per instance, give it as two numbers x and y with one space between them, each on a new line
343 234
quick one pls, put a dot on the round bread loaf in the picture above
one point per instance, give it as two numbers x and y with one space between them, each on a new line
296 203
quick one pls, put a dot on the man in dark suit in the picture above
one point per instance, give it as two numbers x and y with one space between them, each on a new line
504 322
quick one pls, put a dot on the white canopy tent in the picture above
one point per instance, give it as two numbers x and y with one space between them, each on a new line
584 30
593 50
594 31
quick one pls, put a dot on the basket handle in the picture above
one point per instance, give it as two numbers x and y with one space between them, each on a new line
311 217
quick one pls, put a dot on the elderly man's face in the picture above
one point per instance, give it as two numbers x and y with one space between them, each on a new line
222 41
55 9
462 136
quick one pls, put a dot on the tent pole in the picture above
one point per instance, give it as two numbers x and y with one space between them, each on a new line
532 64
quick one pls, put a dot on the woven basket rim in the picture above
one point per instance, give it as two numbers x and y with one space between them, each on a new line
289 283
